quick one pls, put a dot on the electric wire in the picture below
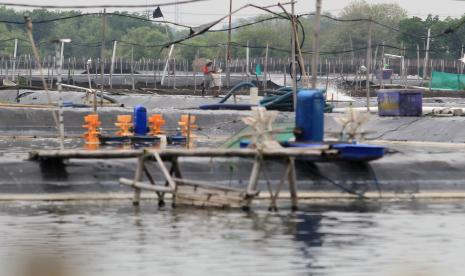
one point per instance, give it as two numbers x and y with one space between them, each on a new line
449 30
233 44
24 5
277 17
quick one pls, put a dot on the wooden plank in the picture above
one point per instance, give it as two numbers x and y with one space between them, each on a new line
84 154
172 153
212 197
201 204
212 192
145 186
208 152
207 185
208 201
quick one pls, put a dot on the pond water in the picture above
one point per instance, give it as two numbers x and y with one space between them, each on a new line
114 238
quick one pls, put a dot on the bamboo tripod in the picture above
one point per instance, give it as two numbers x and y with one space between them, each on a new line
206 194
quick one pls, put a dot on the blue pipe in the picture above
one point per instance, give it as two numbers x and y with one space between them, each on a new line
235 88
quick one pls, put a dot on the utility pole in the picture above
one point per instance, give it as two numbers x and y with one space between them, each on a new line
14 60
425 67
461 64
102 54
165 70
368 65
132 69
265 69
58 68
293 65
418 61
247 60
112 67
228 55
316 44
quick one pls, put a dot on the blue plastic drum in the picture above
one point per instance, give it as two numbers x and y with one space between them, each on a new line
140 120
309 116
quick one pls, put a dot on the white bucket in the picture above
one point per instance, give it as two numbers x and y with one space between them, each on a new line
253 95
217 79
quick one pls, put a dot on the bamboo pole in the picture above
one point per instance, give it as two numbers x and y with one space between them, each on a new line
374 62
37 58
53 72
165 172
253 181
292 178
293 56
368 66
316 44
174 73
265 69
132 69
460 63
59 68
15 52
74 71
199 152
247 61
166 65
188 138
112 66
273 206
121 66
69 71
138 178
418 60
285 75
144 186
102 55
425 68
228 52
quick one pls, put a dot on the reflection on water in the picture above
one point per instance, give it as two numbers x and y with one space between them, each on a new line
116 239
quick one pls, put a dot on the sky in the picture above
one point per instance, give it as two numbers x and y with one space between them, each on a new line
207 11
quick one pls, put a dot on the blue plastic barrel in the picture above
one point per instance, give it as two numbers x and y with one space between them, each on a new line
140 120
309 116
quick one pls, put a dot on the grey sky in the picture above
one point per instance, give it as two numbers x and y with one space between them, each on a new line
198 13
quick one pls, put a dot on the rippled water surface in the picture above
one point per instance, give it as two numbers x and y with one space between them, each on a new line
116 239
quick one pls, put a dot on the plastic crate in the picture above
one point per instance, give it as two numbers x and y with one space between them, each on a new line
400 102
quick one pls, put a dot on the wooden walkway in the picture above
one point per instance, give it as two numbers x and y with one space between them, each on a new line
201 193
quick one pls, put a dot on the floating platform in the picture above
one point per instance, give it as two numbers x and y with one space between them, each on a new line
202 193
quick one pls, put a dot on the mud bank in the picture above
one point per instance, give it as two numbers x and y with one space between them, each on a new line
39 121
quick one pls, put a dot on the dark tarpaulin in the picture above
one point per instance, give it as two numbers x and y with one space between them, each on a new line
193 32
157 13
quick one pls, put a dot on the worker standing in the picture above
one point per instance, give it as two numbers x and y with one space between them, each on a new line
208 70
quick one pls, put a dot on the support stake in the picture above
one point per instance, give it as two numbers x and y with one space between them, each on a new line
138 178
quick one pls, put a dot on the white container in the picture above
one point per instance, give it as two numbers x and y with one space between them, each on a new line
253 95
216 77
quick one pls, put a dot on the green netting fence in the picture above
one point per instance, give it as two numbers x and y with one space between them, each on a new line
447 81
